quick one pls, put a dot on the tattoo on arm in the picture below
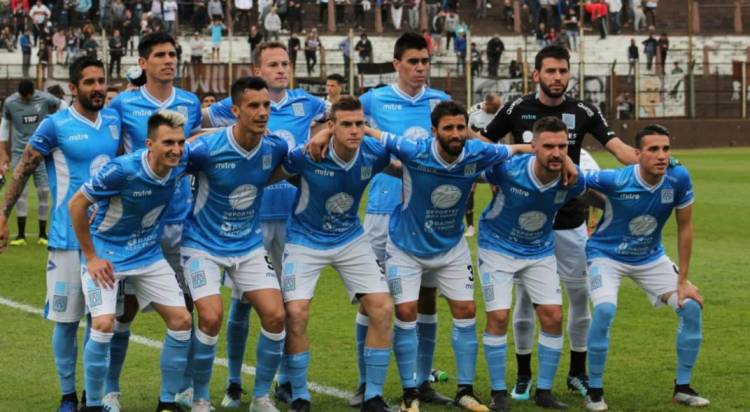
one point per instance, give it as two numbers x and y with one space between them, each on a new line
29 162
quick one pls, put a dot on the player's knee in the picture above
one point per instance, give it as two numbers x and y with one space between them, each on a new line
296 313
104 323
497 322
604 314
550 316
407 312
274 321
181 321
463 309
210 322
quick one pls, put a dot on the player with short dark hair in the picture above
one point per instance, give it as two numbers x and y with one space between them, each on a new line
552 73
627 242
74 143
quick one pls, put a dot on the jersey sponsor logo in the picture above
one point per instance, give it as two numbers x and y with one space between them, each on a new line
392 106
589 112
470 169
532 221
266 161
528 116
629 196
560 196
298 109
142 193
150 218
114 132
365 172
445 196
513 105
97 164
642 225
415 133
30 119
339 203
323 172
78 137
519 192
225 165
667 196
243 196
527 136
570 120
140 113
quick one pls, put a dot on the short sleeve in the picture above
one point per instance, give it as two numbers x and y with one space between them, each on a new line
602 181
44 139
494 174
319 109
295 161
220 113
684 195
6 110
598 126
501 124
116 105
196 117
496 153
366 100
52 102
198 154
107 182
580 186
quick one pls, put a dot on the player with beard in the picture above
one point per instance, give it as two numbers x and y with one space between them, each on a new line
552 73
74 144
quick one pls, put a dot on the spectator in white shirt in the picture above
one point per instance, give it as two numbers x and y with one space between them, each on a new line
170 15
39 14
272 24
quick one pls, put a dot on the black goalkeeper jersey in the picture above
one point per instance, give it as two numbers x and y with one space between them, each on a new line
518 116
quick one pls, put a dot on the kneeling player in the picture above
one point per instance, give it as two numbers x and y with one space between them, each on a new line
516 242
223 233
627 243
131 194
325 230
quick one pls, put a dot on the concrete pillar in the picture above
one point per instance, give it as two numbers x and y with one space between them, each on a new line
737 17
696 17
517 16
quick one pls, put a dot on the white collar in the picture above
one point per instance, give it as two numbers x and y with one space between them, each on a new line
443 162
535 179
339 161
150 172
405 96
639 179
96 124
239 149
155 101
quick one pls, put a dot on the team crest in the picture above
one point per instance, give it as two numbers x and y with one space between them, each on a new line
667 195
560 196
183 110
266 161
570 120
59 303
470 169
298 109
365 172
114 131
38 107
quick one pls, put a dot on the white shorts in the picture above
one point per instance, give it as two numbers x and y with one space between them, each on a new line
450 271
65 302
538 276
170 247
252 271
155 283
354 261
570 252
274 239
376 228
656 279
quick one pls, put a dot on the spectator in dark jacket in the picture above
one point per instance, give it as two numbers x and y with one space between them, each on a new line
495 48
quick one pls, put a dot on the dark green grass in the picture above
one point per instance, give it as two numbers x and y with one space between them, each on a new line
641 365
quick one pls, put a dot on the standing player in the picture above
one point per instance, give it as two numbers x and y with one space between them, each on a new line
158 61
22 113
293 112
552 73
325 230
627 243
402 108
516 243
131 194
74 143
223 234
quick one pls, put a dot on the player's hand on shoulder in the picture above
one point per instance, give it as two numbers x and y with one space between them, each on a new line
318 144
101 272
569 172
686 290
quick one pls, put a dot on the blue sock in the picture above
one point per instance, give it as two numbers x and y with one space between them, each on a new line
297 365
117 351
689 337
604 314
204 352
405 349
549 349
426 338
65 348
87 331
361 323
95 362
465 347
187 378
495 348
173 362
238 325
376 360
268 357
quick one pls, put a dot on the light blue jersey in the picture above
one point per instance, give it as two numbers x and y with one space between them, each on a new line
134 108
290 120
325 213
130 199
391 110
429 221
74 148
225 219
518 221
635 212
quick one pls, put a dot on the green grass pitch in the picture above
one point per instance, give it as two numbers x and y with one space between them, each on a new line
641 365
